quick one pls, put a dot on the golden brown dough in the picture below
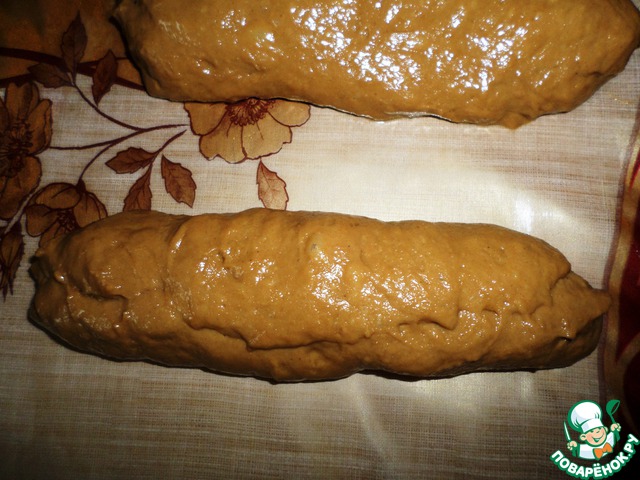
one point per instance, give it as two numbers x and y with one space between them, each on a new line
295 295
479 61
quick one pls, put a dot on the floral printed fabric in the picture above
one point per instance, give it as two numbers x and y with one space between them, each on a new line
247 130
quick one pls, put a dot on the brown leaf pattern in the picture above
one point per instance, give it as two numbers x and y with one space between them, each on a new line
272 190
178 181
50 76
139 196
74 42
104 76
131 160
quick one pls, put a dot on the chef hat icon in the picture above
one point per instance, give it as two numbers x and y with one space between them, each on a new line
585 416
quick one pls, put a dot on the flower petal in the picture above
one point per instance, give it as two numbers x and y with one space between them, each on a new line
205 117
58 196
14 190
20 100
39 219
225 141
264 138
55 230
40 125
292 114
89 209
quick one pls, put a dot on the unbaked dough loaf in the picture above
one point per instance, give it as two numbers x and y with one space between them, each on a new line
478 61
294 295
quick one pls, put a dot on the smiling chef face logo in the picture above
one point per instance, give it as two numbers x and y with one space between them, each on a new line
591 440
596 440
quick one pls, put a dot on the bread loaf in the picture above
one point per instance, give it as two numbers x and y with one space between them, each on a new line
479 61
296 295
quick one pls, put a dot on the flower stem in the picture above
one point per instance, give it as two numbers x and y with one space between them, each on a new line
115 140
103 114
170 140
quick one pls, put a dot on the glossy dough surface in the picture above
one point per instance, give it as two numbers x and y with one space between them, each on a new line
295 295
477 61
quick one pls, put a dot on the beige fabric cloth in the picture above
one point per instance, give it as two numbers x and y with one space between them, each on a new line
65 414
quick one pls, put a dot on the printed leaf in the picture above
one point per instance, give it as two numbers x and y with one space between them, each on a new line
11 253
139 197
178 181
50 76
131 160
272 190
74 42
104 76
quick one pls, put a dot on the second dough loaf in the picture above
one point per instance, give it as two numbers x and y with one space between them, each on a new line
294 295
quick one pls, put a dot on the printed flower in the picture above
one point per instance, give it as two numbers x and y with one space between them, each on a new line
25 131
248 129
60 208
